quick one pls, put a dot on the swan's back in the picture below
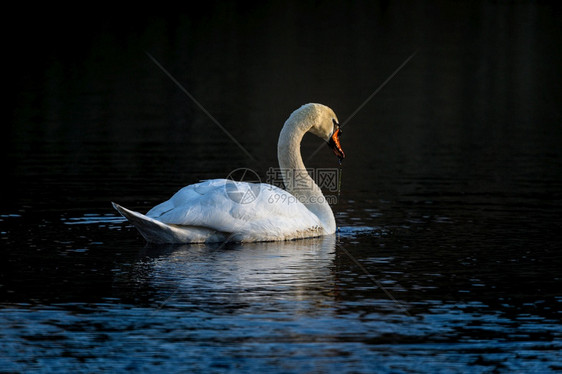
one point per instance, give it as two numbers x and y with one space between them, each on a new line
222 209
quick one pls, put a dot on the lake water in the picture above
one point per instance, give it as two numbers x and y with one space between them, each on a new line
448 251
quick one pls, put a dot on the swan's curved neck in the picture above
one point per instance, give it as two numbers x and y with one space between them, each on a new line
295 176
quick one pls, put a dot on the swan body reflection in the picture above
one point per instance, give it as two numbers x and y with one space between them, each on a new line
238 275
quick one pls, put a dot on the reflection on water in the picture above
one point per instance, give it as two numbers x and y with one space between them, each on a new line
450 201
252 275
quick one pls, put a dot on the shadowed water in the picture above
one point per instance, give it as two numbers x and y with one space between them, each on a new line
447 256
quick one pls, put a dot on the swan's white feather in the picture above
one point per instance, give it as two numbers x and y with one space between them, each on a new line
210 212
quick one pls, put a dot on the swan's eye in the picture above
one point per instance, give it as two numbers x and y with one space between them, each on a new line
336 126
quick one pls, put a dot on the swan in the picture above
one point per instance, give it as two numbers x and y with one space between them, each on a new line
206 212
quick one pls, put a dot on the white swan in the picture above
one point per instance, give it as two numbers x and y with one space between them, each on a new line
207 212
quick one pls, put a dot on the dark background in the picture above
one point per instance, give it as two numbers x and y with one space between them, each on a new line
484 83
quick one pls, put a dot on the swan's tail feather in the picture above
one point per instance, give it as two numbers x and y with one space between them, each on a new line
155 231
152 230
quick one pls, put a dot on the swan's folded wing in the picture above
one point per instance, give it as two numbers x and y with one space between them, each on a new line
240 208
185 197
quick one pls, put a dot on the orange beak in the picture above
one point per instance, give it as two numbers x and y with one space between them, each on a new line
334 143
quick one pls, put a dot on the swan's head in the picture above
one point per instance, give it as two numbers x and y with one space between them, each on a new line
325 125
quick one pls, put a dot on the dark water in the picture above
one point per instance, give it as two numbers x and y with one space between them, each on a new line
448 254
